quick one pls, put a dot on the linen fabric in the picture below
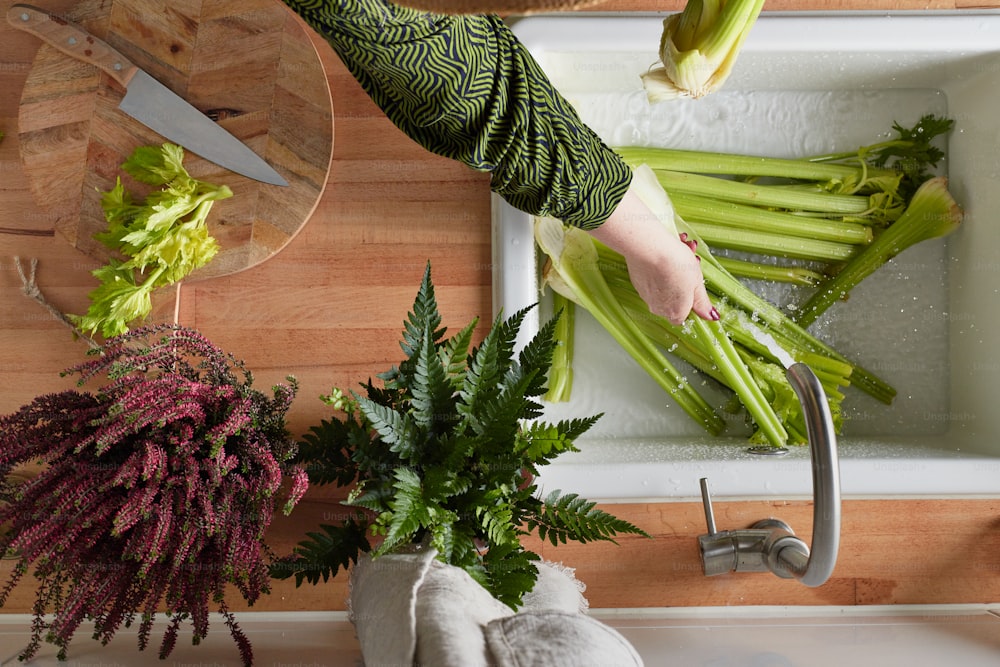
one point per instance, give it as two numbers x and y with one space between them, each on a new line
411 610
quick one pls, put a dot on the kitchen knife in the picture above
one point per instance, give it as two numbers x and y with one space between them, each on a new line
147 100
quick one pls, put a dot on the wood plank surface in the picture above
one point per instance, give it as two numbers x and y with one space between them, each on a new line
329 309
250 64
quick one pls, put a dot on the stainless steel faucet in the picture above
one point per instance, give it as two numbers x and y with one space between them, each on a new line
770 544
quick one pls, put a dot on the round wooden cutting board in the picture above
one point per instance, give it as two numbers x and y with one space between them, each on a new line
248 64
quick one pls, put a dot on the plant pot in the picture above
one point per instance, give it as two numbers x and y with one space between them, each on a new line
411 609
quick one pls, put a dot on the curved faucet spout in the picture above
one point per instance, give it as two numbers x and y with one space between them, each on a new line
770 544
822 555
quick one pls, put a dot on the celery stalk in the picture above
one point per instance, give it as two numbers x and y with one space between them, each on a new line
740 380
767 243
561 370
732 164
704 345
707 347
932 213
748 193
694 208
573 270
721 283
795 275
793 337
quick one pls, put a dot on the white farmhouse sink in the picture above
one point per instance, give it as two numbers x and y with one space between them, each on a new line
805 84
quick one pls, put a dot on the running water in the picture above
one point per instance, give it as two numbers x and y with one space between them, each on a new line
767 340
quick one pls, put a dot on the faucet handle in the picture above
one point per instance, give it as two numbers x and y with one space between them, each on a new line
706 502
719 550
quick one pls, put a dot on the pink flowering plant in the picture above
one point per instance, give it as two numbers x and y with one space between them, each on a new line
154 493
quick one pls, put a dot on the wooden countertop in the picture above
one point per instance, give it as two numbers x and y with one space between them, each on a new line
329 308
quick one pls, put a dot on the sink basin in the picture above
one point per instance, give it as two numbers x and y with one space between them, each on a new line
805 84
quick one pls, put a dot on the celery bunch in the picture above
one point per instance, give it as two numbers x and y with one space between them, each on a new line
595 278
847 214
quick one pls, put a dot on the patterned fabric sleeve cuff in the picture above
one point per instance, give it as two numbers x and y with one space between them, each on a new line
593 200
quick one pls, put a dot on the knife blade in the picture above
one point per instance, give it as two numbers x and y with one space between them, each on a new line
146 99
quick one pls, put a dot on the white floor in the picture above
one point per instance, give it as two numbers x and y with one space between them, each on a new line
930 636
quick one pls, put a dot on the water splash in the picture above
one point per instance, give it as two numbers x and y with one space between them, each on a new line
767 340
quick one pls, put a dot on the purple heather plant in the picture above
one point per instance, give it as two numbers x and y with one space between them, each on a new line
154 493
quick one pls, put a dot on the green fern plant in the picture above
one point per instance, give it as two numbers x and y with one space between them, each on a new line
444 454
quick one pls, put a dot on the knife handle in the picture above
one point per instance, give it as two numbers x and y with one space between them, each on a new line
72 40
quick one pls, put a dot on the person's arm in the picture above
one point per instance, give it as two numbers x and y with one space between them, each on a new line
464 87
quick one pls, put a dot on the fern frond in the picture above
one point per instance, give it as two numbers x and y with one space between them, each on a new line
443 538
574 428
396 429
541 441
424 316
408 511
499 416
507 330
456 450
440 483
509 572
464 547
455 353
372 495
322 554
430 388
387 395
486 370
496 523
325 450
570 517
537 356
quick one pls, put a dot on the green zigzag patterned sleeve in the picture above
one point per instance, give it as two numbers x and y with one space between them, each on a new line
465 88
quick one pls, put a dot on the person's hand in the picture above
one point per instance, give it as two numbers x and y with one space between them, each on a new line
663 268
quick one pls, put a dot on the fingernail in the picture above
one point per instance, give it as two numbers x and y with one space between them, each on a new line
714 315
684 236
